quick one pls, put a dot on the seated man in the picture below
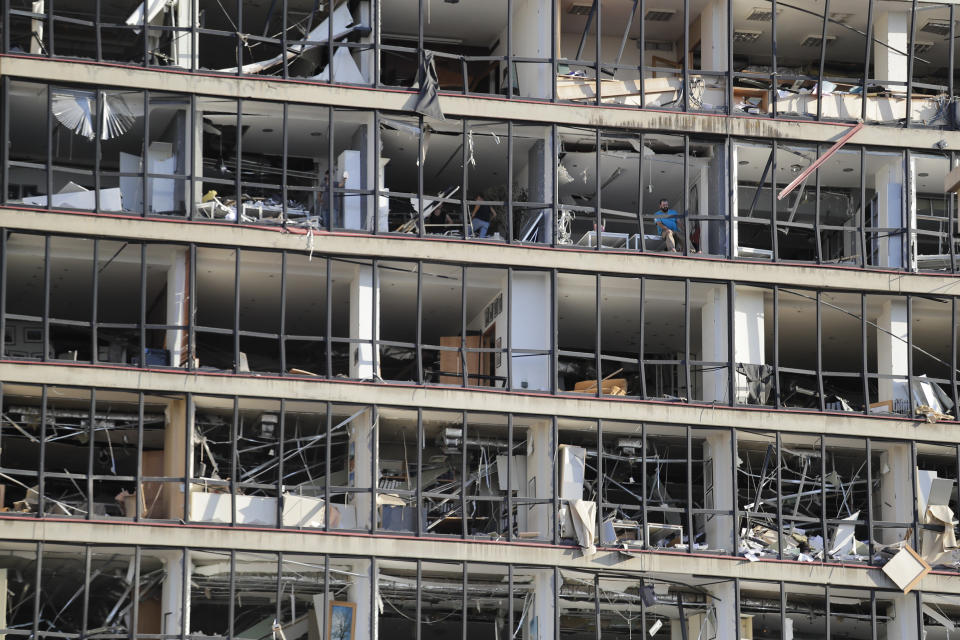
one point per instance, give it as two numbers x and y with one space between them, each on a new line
669 225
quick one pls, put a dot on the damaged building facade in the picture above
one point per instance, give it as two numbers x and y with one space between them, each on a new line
367 319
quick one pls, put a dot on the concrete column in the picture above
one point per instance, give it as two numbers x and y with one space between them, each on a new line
541 618
171 593
178 305
902 624
891 26
714 37
184 48
713 233
362 432
888 183
893 352
713 344
364 15
364 323
897 479
359 593
540 474
749 347
3 602
719 528
725 605
177 436
355 167
540 168
532 26
37 45
530 329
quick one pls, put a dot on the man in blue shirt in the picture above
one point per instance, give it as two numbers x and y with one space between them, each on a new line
669 225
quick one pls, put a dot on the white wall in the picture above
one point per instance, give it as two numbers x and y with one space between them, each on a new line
531 330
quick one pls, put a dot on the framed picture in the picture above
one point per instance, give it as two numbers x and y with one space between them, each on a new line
341 620
31 334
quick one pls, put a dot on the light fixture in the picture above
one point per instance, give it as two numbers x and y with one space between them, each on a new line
743 163
796 168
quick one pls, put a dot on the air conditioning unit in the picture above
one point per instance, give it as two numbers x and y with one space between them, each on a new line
659 15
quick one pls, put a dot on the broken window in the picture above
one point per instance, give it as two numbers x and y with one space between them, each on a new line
935 226
662 486
497 471
620 605
399 465
754 199
96 450
798 215
242 152
236 451
469 50
486 342
65 301
806 498
447 474
577 332
576 185
401 140
305 320
621 337
307 183
97 143
839 208
886 217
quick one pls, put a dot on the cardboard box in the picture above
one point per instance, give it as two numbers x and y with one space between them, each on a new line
609 387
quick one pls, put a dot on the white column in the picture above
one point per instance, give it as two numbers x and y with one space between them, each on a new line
714 37
902 624
541 615
725 605
178 300
171 593
749 340
888 183
364 324
719 528
893 352
530 329
713 344
364 15
183 45
540 454
891 26
897 479
3 602
540 168
363 435
532 39
37 45
359 593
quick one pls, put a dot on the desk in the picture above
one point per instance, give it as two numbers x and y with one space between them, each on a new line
651 241
754 92
609 239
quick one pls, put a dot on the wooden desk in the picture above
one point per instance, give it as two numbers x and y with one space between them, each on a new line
753 92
